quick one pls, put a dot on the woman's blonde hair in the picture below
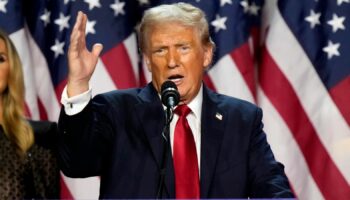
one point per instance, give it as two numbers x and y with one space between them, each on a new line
183 13
16 127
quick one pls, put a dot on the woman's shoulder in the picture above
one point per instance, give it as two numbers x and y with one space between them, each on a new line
42 127
45 133
42 158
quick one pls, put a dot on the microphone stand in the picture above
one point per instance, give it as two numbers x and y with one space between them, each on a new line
166 144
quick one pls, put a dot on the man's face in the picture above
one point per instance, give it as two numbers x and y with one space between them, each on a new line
175 52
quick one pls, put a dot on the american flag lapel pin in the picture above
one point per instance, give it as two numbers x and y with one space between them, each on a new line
218 116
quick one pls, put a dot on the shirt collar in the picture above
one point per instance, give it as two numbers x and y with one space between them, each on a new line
196 104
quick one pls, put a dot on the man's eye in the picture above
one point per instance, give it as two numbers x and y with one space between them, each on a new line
184 48
2 59
159 51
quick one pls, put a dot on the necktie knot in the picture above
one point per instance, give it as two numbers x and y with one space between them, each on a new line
182 110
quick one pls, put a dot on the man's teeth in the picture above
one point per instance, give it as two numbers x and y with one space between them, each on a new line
175 79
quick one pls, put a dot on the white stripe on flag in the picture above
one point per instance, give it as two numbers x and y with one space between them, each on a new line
131 47
101 81
228 80
146 72
83 188
287 151
43 82
331 127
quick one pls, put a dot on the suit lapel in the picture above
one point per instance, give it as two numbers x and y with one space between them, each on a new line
151 115
212 129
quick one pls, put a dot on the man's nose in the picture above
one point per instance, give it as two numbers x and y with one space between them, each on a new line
173 59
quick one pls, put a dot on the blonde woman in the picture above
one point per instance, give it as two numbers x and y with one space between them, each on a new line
28 167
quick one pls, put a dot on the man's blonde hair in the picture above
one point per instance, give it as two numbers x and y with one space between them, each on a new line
182 13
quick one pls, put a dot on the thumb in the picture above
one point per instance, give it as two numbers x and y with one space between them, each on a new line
96 49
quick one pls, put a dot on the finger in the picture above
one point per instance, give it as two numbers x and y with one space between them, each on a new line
83 23
74 44
96 49
78 22
82 36
74 37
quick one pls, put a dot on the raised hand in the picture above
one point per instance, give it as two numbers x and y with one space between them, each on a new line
81 61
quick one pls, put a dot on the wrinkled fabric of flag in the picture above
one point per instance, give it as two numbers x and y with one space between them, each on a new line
289 57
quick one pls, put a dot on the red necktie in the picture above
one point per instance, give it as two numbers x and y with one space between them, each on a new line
185 158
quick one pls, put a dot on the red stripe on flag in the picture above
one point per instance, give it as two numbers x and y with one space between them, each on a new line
244 60
42 111
119 67
59 88
65 193
208 82
279 91
255 34
27 111
341 96
142 77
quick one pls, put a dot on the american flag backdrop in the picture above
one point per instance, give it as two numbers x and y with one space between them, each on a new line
292 58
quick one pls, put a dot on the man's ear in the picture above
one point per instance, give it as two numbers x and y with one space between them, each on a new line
208 56
148 64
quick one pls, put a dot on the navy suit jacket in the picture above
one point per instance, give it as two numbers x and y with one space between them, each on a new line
118 137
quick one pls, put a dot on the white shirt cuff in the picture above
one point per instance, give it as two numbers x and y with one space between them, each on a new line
76 104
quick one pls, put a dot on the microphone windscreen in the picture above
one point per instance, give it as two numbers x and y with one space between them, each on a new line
169 89
167 84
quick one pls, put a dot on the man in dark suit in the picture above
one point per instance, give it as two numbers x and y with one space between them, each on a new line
118 135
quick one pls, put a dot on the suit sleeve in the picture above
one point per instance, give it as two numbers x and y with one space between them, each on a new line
85 139
267 176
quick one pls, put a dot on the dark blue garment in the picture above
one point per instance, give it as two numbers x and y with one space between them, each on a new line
118 137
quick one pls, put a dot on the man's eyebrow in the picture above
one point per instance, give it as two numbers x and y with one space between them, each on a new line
158 46
182 43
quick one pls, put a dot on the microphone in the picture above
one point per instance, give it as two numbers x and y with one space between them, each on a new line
170 98
169 94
